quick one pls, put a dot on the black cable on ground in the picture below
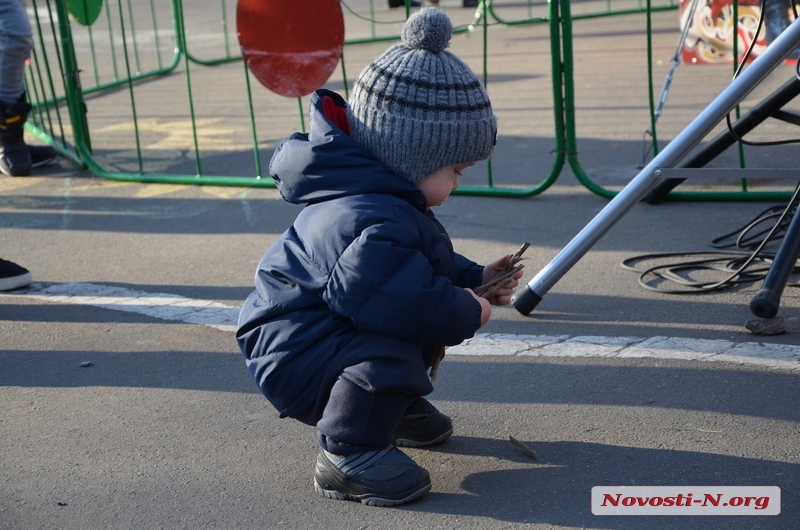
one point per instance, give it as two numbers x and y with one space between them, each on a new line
740 267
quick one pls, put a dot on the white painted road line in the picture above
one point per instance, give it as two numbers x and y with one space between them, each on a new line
158 305
764 354
224 317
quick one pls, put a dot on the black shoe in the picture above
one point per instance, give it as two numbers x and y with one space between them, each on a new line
422 425
401 3
41 155
471 3
389 478
12 276
15 163
14 158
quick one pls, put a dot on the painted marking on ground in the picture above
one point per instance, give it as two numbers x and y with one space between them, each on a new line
224 317
12 183
157 190
158 305
179 135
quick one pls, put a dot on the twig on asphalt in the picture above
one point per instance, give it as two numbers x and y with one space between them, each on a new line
524 448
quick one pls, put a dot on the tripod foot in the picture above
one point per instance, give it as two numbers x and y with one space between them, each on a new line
524 300
765 303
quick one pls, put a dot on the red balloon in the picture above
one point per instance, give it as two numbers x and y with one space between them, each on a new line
292 47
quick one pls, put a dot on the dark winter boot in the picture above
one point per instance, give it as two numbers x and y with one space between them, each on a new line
376 478
14 157
422 425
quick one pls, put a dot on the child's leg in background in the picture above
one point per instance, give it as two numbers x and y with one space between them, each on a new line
16 42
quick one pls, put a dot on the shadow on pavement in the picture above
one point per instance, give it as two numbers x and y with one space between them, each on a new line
604 382
556 489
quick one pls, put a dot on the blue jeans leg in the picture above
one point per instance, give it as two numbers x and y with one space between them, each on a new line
16 43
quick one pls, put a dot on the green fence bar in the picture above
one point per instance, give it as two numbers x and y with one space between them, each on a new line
138 57
558 104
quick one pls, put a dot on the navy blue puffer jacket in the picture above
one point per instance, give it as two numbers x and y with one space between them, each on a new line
365 255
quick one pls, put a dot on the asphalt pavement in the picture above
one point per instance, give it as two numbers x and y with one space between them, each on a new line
125 403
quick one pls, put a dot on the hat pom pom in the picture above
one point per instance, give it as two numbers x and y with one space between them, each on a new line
427 29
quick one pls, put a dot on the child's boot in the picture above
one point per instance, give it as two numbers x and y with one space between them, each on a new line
14 158
422 425
377 478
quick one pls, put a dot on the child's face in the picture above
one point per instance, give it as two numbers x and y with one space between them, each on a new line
438 186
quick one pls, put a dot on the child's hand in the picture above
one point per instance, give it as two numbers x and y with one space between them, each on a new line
503 295
486 309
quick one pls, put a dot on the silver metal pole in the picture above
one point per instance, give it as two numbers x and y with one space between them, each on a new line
529 296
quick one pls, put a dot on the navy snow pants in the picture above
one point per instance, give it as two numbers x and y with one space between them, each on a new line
367 388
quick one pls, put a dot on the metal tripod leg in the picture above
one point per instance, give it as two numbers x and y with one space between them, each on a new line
766 302
769 107
529 296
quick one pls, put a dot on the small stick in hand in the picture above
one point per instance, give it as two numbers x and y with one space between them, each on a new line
503 276
488 290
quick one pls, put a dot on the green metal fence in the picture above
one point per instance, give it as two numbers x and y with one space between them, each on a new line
156 91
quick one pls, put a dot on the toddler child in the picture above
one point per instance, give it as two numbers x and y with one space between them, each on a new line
354 301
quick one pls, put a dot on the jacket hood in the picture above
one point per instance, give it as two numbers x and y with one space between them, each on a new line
327 164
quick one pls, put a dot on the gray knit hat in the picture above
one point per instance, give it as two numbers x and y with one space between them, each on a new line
418 108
